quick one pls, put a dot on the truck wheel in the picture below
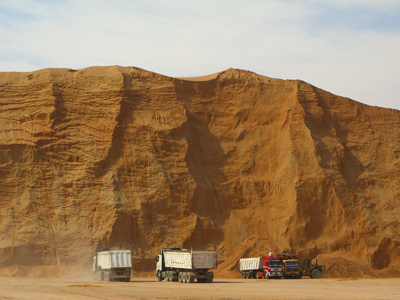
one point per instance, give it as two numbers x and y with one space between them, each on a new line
187 277
180 277
158 274
167 276
315 273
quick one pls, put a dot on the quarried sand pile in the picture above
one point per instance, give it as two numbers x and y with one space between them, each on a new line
125 158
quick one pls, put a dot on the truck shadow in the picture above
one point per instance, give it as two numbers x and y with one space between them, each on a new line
214 282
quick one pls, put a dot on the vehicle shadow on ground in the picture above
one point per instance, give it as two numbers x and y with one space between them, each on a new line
226 282
139 281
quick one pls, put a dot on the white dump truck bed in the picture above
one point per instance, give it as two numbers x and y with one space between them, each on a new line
114 259
190 259
251 263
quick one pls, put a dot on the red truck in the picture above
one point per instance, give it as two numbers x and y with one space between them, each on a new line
261 267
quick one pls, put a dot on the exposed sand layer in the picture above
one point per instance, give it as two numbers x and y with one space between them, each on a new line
120 157
221 289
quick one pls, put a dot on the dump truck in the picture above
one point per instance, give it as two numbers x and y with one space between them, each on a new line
309 269
185 266
112 265
261 267
291 269
290 265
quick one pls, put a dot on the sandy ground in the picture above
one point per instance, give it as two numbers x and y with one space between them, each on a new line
56 288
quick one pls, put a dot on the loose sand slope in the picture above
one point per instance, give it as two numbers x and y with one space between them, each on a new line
122 157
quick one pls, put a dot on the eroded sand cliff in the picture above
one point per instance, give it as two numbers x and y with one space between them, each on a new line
123 157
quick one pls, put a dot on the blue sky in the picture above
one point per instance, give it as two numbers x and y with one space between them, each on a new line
348 47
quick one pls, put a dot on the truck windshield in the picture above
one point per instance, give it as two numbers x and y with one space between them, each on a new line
293 263
276 263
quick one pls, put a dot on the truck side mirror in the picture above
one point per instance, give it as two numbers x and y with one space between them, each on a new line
156 259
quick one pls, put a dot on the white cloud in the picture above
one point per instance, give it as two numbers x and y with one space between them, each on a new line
285 39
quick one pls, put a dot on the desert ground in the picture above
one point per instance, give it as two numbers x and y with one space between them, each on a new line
149 288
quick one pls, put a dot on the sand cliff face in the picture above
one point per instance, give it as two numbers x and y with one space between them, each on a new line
125 158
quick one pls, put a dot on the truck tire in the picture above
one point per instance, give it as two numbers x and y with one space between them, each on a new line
187 277
243 274
180 277
315 273
167 276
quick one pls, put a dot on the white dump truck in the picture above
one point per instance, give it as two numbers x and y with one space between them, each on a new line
186 266
112 265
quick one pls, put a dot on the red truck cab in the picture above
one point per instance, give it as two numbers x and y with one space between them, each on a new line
272 267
